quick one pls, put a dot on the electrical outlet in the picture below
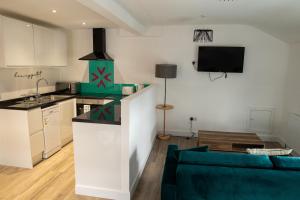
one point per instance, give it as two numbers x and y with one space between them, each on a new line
193 118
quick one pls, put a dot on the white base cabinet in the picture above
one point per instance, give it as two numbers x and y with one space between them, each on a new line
67 112
21 137
37 147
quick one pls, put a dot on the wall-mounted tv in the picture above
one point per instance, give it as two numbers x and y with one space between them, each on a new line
221 59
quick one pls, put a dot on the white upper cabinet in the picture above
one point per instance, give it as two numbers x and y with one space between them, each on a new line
28 45
60 54
50 46
18 48
43 42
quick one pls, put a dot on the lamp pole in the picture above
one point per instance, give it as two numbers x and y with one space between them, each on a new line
165 101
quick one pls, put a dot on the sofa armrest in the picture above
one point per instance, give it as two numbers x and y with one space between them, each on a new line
168 186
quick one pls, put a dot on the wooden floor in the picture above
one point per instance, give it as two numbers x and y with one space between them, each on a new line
54 178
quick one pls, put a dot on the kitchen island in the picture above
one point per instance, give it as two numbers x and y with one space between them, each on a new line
112 144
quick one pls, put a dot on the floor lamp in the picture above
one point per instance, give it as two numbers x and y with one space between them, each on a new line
165 71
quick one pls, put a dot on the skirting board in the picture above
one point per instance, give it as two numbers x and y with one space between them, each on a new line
101 192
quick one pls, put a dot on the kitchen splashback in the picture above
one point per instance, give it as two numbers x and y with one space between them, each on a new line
101 79
15 82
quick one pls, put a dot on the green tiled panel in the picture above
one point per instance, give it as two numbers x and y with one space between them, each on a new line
101 79
115 89
101 74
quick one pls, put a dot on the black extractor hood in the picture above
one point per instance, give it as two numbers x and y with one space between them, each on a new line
99 46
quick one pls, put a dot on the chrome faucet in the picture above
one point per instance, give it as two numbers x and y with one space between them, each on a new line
37 85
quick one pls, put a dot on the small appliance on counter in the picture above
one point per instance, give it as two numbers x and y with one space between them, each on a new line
68 87
127 90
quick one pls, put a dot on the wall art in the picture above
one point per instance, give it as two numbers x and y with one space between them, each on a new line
28 76
203 35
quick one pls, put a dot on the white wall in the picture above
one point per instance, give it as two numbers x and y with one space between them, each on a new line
220 105
13 87
290 132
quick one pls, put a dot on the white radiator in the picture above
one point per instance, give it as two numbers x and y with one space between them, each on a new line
293 131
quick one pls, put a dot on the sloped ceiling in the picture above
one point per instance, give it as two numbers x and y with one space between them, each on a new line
280 18
70 13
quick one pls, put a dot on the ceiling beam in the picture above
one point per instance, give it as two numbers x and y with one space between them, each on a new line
115 13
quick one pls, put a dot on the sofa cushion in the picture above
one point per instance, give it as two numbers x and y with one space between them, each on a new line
225 159
198 149
200 182
287 163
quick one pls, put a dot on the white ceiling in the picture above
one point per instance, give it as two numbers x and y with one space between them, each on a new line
280 18
70 13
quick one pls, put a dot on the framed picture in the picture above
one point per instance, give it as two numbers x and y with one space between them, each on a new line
203 35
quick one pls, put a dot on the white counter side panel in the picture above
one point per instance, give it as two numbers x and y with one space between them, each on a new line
139 120
97 153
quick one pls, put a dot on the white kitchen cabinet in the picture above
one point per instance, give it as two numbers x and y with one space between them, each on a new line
18 47
44 45
50 46
21 137
35 122
35 129
60 54
67 112
23 44
37 146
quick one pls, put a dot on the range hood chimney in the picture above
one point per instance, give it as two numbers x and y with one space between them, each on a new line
99 46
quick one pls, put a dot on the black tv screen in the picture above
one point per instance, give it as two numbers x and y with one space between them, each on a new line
221 59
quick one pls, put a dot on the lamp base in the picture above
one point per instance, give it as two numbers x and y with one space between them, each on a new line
163 137
164 107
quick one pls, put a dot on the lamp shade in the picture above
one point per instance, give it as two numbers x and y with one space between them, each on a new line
165 71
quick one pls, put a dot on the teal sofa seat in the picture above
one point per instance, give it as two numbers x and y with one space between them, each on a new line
227 176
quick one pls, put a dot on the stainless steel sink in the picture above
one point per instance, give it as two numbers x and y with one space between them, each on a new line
53 97
40 100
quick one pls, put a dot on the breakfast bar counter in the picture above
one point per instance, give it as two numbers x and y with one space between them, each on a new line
110 157
110 113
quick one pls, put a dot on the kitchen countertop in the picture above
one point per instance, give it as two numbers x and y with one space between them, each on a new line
109 113
106 114
15 104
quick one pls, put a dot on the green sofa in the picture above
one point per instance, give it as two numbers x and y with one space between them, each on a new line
195 175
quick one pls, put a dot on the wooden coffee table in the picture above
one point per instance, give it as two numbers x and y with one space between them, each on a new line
228 141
